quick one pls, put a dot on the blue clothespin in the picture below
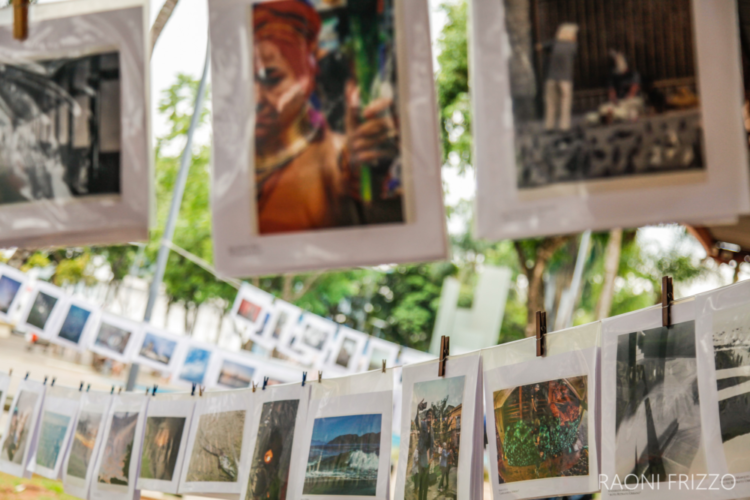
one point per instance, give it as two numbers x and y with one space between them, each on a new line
192 393
153 392
88 387
52 384
265 382
80 388
27 376
304 377
112 391
45 380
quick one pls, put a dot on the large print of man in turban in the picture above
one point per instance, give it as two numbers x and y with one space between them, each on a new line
327 150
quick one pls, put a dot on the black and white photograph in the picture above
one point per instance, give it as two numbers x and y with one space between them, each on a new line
658 419
114 337
60 122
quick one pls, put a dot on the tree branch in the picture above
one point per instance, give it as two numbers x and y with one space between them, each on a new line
309 282
161 21
521 258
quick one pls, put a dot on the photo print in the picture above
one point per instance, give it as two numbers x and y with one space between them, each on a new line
542 430
158 349
434 439
11 282
284 317
251 306
165 439
41 310
269 469
346 353
342 65
344 456
118 449
61 126
80 466
658 420
313 337
194 365
347 349
113 337
20 429
215 456
84 443
375 352
235 375
74 324
55 430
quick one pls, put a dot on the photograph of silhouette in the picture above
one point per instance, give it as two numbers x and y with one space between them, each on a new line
118 449
344 456
603 90
216 451
41 310
269 470
658 421
60 129
161 446
435 438
542 430
327 141
21 427
84 442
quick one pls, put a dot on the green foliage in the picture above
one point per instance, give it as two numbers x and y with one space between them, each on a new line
530 444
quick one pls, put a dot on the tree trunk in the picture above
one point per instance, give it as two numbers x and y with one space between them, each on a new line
286 287
611 266
19 258
523 79
161 21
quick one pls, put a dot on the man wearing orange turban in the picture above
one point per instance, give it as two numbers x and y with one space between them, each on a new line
306 174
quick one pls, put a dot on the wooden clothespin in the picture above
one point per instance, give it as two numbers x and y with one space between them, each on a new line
304 378
146 391
21 19
265 382
119 390
10 372
445 350
320 376
383 366
254 385
200 391
667 297
541 334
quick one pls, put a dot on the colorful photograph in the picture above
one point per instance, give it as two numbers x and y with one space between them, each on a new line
732 361
348 346
344 456
8 291
435 439
118 450
658 420
218 444
249 310
235 375
21 427
541 430
269 470
327 140
84 443
594 97
41 309
60 137
161 446
113 338
157 348
74 324
195 365
51 437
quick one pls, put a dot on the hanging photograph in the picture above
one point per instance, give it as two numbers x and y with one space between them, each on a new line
251 306
21 428
56 430
376 351
115 337
234 370
75 128
164 442
605 106
11 283
215 458
38 316
78 469
278 415
4 385
74 324
117 464
346 442
282 318
347 350
158 349
440 431
329 163
313 336
194 364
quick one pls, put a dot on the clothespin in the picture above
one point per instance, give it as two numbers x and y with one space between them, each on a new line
119 390
320 376
304 377
541 334
80 388
192 393
27 376
265 382
20 19
153 392
146 391
254 385
88 387
667 297
383 366
45 380
52 384
200 391
112 390
10 372
445 349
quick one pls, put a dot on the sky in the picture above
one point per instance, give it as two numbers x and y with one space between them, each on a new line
434 391
326 429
